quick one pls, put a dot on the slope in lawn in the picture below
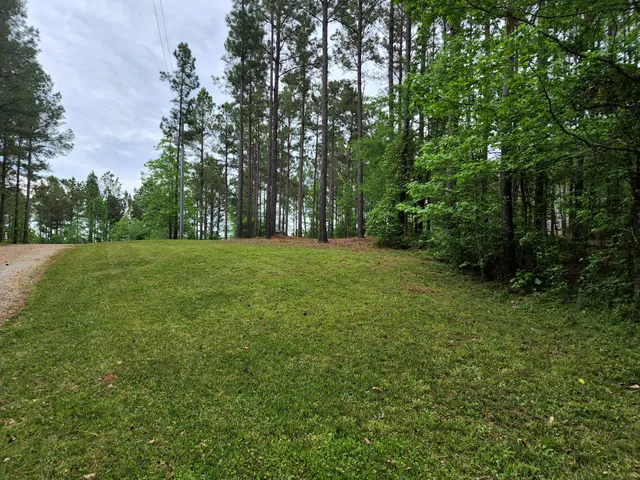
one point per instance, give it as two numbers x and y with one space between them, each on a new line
226 360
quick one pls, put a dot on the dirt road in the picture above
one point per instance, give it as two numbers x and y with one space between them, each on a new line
20 268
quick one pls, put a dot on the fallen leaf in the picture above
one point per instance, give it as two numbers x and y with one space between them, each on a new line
89 476
635 387
367 441
151 441
109 377
408 468
377 388
581 381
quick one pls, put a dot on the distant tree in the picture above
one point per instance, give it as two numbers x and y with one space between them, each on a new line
356 44
182 81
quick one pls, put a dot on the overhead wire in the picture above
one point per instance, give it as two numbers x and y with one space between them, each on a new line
155 10
166 37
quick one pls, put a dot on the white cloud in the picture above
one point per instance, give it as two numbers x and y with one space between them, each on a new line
105 58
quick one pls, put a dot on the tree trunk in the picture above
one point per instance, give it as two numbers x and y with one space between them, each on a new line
250 165
635 229
322 227
240 160
390 53
510 259
226 191
3 181
301 158
540 208
273 151
286 196
17 203
406 125
27 202
332 178
314 232
359 120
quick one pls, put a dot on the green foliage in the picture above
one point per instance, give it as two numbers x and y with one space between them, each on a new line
129 229
384 223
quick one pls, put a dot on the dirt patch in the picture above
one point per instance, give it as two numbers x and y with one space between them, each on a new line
420 289
109 377
358 244
21 266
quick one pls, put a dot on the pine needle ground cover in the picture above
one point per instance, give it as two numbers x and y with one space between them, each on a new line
232 360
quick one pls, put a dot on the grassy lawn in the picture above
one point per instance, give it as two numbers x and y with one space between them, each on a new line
230 360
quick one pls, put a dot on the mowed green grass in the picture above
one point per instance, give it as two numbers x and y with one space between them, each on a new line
243 361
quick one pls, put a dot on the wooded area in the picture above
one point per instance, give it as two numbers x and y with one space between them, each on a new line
506 138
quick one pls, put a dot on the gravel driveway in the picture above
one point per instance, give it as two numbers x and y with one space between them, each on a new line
20 268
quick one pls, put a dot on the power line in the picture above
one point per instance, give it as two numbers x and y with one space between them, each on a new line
160 34
166 37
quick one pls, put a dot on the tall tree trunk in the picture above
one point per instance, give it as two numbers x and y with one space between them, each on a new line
332 177
257 217
250 156
203 214
360 113
301 158
314 232
27 200
286 196
406 124
390 53
240 192
322 227
635 229
540 204
17 203
273 153
3 182
510 259
226 191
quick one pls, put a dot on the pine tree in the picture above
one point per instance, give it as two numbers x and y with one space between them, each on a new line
182 81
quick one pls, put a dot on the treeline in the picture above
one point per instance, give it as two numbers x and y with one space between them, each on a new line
505 138
31 122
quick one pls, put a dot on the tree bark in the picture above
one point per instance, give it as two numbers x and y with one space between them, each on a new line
510 259
635 229
540 207
27 202
250 165
390 53
226 191
17 203
406 125
360 114
322 227
3 181
273 151
332 178
301 153
240 192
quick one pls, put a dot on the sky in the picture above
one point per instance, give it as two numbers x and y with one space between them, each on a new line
105 57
